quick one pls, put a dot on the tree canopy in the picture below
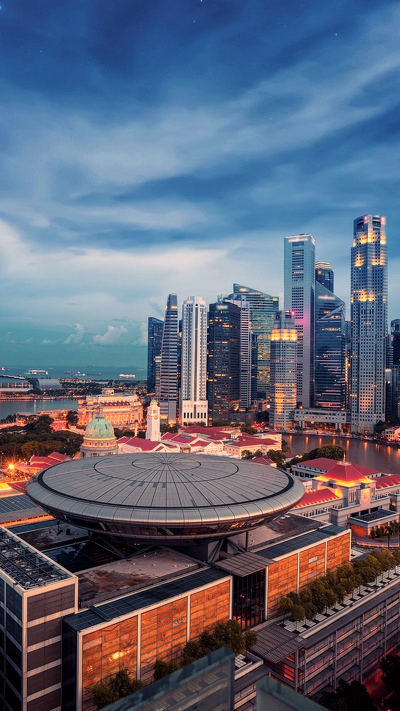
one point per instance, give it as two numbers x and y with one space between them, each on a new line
117 687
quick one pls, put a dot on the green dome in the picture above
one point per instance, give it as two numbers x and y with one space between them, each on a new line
99 428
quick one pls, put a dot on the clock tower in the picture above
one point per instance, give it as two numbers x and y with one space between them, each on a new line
153 422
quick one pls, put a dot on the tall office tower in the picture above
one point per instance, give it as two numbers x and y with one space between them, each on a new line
347 349
263 308
157 364
324 275
194 406
283 370
245 349
330 344
300 299
253 366
395 333
369 293
154 337
169 361
223 366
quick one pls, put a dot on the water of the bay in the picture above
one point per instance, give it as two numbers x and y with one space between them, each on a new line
11 407
381 457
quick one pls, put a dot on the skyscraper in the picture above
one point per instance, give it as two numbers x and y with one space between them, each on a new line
283 370
395 333
330 341
194 404
154 337
300 299
169 361
245 392
263 308
223 360
369 296
324 275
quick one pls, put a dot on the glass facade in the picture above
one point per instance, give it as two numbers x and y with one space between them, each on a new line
299 278
223 361
330 342
205 685
324 275
169 361
263 308
283 370
369 297
249 599
154 337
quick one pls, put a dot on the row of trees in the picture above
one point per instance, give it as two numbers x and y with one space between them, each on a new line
325 591
225 634
355 697
37 438
329 451
392 529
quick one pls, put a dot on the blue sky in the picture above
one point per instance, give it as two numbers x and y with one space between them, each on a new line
162 146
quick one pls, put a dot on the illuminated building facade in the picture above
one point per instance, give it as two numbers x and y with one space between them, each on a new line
324 275
369 297
99 439
299 278
223 362
194 406
263 308
169 361
283 370
245 354
154 337
330 342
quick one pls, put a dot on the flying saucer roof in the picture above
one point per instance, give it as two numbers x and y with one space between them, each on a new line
165 494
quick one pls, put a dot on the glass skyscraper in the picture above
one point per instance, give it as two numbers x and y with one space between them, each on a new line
283 370
369 304
324 275
169 361
330 341
194 361
223 368
263 308
154 337
299 279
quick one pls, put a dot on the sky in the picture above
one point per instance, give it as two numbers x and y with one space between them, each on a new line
162 146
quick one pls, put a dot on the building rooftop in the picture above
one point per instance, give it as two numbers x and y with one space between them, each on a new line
303 541
384 481
333 468
161 497
317 496
145 598
25 566
18 506
374 516
124 576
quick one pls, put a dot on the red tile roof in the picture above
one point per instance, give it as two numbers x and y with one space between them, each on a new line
327 465
390 480
145 445
262 460
317 496
250 441
347 472
49 461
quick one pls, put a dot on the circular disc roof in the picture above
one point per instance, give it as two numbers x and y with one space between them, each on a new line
165 497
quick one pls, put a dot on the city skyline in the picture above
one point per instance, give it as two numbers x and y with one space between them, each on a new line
150 150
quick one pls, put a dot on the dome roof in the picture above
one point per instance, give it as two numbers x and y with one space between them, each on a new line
99 428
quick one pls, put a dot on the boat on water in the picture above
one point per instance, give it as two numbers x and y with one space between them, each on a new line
127 375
